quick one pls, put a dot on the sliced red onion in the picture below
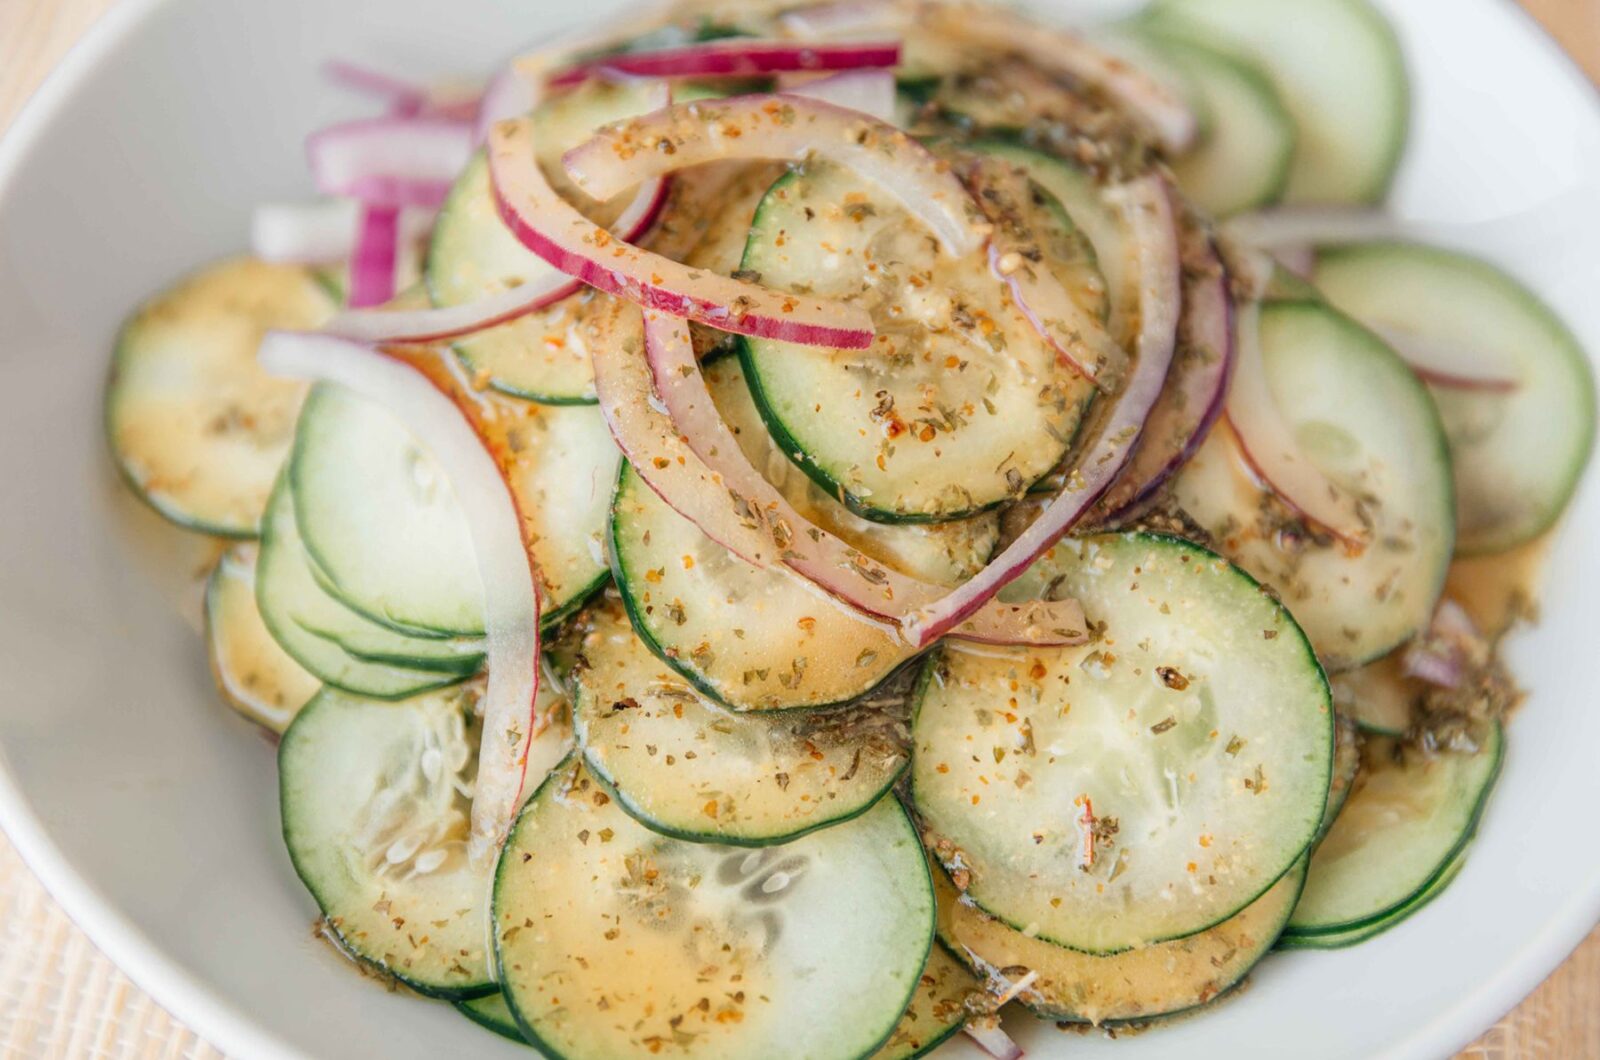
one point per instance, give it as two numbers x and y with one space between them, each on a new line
988 1035
510 94
1146 206
820 557
1145 98
1269 446
735 57
1080 340
871 92
394 152
780 128
1299 259
1196 388
403 97
511 600
372 267
438 325
395 193
310 233
1442 655
553 229
1291 228
1457 366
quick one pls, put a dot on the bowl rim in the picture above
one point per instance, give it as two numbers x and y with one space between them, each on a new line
215 1019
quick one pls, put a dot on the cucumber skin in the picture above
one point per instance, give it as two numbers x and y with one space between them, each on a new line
1311 657
619 575
532 1038
284 746
1384 919
508 1032
742 842
1338 940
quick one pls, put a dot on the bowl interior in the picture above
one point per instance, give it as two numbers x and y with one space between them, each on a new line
151 811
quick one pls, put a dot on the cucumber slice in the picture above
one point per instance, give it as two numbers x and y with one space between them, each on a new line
307 622
764 639
1245 158
1346 767
613 940
197 428
1138 985
1199 720
938 1009
1518 456
1405 822
1338 67
1363 418
492 1013
473 255
256 677
958 406
686 768
1335 940
1379 697
376 806
379 519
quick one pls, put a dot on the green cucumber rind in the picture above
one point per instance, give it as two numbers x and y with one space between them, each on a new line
1448 863
489 1021
624 581
285 747
1338 940
1311 658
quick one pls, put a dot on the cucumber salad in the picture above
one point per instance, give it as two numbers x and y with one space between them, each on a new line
801 531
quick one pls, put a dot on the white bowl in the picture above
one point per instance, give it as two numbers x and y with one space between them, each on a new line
151 813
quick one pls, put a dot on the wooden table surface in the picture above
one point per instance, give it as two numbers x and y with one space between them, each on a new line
75 1004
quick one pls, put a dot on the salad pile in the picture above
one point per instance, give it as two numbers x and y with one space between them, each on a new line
793 531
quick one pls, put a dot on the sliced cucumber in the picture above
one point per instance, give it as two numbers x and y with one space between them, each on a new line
1379 697
937 1012
1364 420
256 676
686 768
1405 822
957 407
1335 940
197 428
615 941
492 1013
307 622
764 639
1245 158
561 466
1340 71
1141 984
379 519
376 801
473 255
1346 767
1519 455
1198 720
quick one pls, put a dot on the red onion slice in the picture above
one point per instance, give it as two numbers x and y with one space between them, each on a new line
1147 209
987 1034
417 153
1147 99
553 229
1078 338
511 599
1288 228
1268 444
395 193
510 94
818 556
1442 655
438 325
1192 400
1452 365
736 57
871 92
781 128
377 252
312 233
403 97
